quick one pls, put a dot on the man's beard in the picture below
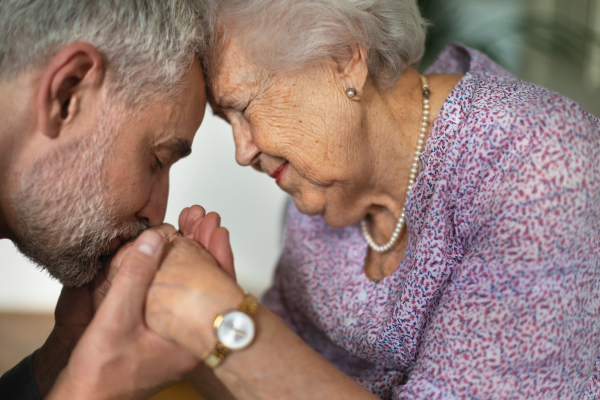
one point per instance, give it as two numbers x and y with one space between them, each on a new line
65 220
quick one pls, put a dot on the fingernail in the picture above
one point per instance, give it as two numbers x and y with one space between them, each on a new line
149 243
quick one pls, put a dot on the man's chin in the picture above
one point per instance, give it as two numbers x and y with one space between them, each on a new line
78 274
77 264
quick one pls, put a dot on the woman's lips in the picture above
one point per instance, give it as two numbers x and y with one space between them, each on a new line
279 172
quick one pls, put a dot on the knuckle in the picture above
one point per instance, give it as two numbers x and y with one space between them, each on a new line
165 230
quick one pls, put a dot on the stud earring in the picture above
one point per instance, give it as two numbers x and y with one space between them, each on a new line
350 92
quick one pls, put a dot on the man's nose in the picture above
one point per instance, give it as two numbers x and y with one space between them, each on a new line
245 149
153 212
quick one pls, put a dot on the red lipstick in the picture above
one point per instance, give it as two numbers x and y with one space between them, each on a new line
279 172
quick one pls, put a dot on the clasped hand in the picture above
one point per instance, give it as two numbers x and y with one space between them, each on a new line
195 283
156 290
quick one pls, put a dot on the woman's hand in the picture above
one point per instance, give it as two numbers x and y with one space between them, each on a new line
206 230
189 291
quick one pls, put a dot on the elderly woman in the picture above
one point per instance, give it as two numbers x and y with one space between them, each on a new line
444 237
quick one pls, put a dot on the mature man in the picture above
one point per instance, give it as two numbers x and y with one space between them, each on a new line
98 98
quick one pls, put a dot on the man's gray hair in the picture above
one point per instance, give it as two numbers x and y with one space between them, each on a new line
290 34
146 45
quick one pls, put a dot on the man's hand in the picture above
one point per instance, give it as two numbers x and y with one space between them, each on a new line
103 281
118 356
74 312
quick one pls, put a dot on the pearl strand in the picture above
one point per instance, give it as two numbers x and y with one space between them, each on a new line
411 179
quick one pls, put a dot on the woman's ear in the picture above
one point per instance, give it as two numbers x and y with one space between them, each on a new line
75 72
354 71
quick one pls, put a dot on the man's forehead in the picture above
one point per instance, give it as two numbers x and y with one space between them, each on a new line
175 122
165 126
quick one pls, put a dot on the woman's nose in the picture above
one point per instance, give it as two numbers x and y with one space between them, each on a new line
245 149
153 212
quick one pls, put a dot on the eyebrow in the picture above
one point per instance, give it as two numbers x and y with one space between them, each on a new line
179 146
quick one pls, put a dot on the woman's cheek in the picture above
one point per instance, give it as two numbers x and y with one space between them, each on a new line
270 127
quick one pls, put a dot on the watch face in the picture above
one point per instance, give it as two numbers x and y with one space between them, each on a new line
236 331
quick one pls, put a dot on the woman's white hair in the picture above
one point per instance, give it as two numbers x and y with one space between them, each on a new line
290 34
146 45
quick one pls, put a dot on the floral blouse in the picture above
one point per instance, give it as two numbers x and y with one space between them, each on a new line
498 293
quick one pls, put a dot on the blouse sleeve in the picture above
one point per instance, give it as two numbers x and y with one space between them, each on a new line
520 316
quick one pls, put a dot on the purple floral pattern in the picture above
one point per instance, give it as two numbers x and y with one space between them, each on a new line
498 294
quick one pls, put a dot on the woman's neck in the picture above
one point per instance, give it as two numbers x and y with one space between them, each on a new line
393 117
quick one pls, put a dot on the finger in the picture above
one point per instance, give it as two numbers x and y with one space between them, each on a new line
182 218
220 249
165 230
193 214
204 231
112 266
191 231
115 261
127 294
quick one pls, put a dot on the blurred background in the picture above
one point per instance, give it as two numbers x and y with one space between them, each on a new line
553 43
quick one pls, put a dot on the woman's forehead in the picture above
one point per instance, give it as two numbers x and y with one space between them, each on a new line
234 75
231 91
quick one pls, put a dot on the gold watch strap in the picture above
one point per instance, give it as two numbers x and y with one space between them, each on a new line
219 352
216 355
249 305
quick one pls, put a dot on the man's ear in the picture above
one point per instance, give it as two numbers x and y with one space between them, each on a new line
75 71
354 70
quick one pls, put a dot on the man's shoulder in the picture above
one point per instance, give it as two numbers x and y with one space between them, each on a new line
19 382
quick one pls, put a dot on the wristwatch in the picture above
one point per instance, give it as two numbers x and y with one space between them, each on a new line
235 330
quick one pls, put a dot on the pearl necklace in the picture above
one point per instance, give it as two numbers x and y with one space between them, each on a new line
413 175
